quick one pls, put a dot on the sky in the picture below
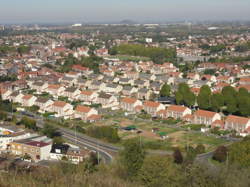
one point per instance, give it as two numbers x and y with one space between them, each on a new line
52 11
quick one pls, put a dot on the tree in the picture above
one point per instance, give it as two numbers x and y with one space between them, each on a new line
158 171
220 154
165 90
239 153
217 102
132 157
200 148
49 131
204 97
29 123
58 140
178 98
189 98
3 115
178 158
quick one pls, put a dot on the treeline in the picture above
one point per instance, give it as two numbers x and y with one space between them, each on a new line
156 54
243 47
91 62
108 133
8 78
22 49
213 49
229 101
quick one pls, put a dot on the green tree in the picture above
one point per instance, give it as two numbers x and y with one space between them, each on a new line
217 102
158 171
204 97
239 153
50 131
165 90
132 157
178 98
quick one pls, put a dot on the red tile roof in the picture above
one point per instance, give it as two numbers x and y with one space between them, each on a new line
83 109
204 113
128 100
59 103
151 104
27 97
237 119
176 108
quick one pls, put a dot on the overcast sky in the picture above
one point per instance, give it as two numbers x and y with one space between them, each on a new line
25 11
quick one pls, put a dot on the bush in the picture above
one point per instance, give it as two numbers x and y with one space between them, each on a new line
108 133
220 154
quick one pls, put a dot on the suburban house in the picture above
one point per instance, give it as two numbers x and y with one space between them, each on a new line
144 94
97 85
36 150
39 86
62 109
244 81
126 81
88 96
55 89
72 93
113 88
141 83
107 100
5 94
240 124
84 112
74 155
28 100
129 90
178 112
16 97
153 107
205 117
81 69
44 104
130 104
68 81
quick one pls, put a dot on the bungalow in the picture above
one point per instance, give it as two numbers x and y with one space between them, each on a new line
178 112
240 124
43 103
84 112
153 107
72 93
205 117
62 109
28 100
130 104
88 96
107 100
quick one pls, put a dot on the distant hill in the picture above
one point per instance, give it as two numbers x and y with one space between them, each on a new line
128 22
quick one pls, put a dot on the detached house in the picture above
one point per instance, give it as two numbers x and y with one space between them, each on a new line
131 104
240 124
55 89
144 94
5 94
129 90
178 112
205 117
44 104
88 96
84 112
72 93
107 100
153 107
28 100
39 86
16 97
62 109
113 88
